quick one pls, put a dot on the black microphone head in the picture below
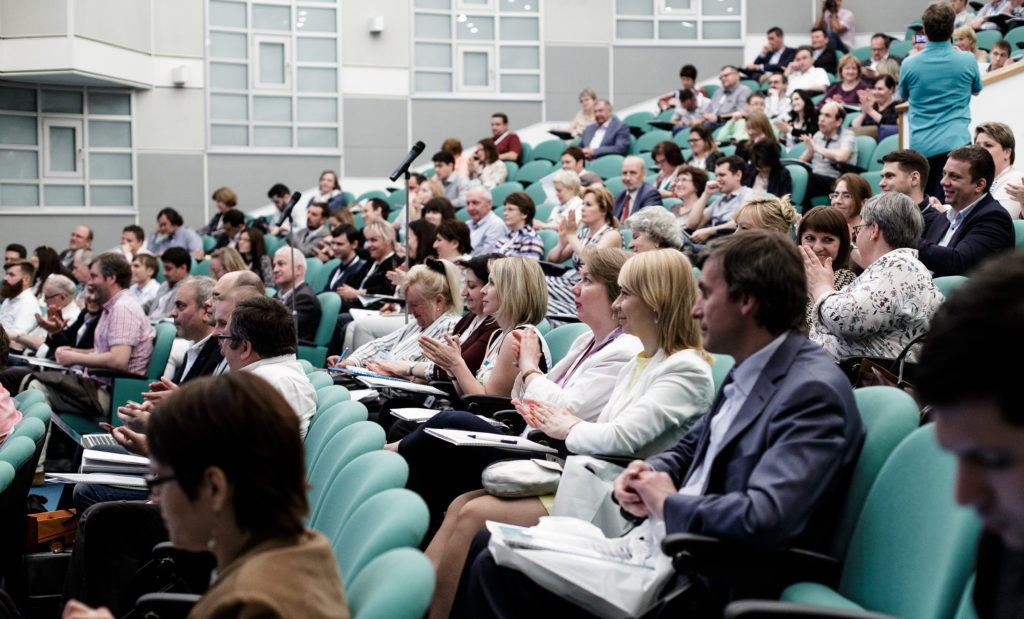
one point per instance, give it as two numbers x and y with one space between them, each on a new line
418 147
296 196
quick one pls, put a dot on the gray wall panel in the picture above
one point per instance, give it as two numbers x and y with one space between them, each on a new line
250 176
797 16
645 72
32 231
375 135
568 70
174 180
433 121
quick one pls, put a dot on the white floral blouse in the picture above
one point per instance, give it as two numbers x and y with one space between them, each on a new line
886 307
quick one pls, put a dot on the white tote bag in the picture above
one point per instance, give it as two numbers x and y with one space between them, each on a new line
585 492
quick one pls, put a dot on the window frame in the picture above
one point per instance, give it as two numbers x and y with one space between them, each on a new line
492 9
662 13
256 89
46 177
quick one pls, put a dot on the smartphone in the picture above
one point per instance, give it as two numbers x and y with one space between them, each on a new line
920 38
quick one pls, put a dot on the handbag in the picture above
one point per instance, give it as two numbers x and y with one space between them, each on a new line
586 493
871 371
519 478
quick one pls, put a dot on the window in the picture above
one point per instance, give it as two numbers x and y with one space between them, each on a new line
65 147
679 22
273 75
469 47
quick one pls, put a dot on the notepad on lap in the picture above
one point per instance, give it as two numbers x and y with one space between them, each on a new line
470 438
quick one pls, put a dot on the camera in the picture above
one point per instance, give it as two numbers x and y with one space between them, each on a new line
830 5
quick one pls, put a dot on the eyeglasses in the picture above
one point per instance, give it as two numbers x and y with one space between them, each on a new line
834 195
47 297
154 480
694 140
857 229
225 338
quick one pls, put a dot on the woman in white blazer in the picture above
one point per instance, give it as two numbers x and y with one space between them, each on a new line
654 398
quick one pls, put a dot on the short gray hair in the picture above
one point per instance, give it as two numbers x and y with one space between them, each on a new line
203 287
657 223
897 217
568 179
62 284
84 256
484 192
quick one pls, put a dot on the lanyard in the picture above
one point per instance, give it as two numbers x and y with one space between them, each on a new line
562 380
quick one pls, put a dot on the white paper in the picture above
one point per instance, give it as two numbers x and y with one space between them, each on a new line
107 479
418 415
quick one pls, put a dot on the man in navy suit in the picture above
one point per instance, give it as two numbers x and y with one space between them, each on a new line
976 226
775 56
637 192
764 466
607 136
344 245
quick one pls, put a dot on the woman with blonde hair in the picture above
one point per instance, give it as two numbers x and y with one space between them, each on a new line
847 90
965 39
431 293
766 213
567 191
655 398
224 260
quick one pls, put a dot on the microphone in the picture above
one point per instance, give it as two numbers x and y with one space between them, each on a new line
417 149
286 214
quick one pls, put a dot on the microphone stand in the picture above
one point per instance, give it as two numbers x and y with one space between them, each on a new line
408 258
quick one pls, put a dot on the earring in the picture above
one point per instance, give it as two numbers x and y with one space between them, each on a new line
655 316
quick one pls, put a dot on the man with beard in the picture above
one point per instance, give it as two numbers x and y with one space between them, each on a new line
18 312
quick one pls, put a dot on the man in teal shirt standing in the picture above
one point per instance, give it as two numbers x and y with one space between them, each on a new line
938 84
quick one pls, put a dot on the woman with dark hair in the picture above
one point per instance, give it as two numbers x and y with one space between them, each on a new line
705 151
219 492
253 250
803 119
421 241
848 195
47 262
877 104
484 166
668 158
765 172
438 209
689 187
452 241
824 230
522 239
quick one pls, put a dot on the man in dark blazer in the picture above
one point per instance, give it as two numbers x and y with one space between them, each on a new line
307 306
765 466
607 136
976 227
344 246
774 56
192 320
637 192
824 56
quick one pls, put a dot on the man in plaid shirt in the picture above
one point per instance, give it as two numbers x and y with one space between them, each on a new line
123 341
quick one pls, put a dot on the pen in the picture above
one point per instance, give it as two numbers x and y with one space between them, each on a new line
493 440
344 354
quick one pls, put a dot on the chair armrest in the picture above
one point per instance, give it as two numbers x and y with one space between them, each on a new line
845 168
552 268
799 162
446 386
538 436
703 554
620 460
764 609
512 420
166 605
485 405
112 373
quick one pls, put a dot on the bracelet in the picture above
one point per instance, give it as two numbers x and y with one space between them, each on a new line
411 367
527 373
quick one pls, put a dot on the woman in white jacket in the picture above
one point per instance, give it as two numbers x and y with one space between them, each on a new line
652 401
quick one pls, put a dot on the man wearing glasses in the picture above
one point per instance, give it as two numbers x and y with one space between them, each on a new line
727 100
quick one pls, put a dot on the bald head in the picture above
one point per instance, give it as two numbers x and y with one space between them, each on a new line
633 173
